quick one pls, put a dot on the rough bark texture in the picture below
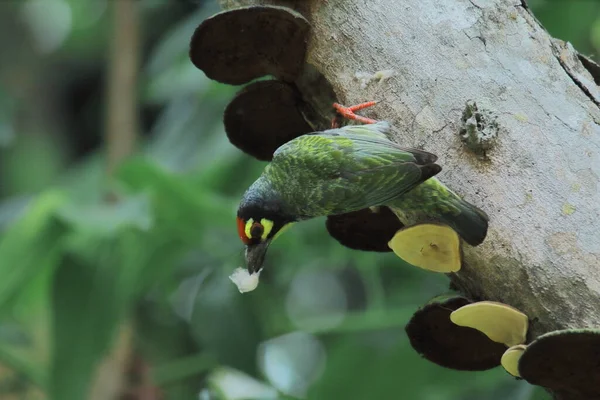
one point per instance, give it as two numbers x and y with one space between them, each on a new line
539 183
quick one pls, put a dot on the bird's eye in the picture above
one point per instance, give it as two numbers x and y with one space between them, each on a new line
256 230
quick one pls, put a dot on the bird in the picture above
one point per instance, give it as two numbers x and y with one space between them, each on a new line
346 169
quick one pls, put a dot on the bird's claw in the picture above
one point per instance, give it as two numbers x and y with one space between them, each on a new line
349 113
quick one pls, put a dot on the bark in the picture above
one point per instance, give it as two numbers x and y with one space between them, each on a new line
539 183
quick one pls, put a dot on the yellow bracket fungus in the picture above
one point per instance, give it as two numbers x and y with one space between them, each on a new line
429 246
510 359
499 322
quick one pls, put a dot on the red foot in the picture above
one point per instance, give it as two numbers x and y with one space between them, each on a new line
348 112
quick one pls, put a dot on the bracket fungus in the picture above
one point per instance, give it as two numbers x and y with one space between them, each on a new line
369 229
510 359
566 361
437 339
433 247
500 322
263 116
246 43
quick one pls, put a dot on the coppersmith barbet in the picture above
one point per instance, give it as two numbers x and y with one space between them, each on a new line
343 170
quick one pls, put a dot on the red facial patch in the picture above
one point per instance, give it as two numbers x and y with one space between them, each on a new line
241 226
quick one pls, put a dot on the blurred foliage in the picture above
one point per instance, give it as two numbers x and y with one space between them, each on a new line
76 270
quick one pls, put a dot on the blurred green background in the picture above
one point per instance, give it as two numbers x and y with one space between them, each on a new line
114 275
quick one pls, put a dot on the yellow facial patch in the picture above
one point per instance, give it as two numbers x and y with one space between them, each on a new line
268 226
263 228
248 228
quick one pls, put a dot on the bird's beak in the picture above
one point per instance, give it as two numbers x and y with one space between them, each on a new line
255 256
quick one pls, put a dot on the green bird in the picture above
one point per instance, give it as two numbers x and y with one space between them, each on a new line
343 170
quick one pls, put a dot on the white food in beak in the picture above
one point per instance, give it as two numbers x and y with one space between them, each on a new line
244 281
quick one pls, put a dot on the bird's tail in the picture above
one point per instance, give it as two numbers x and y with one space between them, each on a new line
471 223
433 201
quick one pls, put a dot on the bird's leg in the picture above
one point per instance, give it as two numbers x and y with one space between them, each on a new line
349 113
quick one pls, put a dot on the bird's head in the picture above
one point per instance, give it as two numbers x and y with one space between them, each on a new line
258 228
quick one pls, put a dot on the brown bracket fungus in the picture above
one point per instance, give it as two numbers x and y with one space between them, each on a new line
432 247
500 322
246 43
263 116
510 359
437 339
566 362
367 229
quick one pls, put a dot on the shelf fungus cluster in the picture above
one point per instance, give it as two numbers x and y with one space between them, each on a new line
241 45
433 247
435 337
500 323
246 43
566 361
456 333
263 116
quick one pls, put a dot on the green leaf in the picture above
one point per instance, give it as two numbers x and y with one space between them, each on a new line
87 305
383 365
231 384
539 393
95 287
105 218
30 245
182 368
30 319
179 208
225 321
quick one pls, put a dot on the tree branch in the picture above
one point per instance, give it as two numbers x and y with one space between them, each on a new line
122 114
121 132
540 182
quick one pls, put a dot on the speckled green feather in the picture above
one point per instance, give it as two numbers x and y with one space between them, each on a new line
351 168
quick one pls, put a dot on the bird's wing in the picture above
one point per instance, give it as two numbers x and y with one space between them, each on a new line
379 129
342 172
378 132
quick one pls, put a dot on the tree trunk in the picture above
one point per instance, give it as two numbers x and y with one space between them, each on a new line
539 180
